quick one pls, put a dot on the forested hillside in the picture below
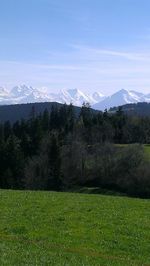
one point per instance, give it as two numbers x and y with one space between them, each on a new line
140 109
25 111
58 150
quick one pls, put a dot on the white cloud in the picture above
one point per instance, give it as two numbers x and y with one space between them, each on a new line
139 56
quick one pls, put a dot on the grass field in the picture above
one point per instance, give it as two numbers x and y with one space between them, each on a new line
48 228
147 151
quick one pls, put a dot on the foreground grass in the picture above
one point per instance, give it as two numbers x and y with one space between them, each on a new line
48 228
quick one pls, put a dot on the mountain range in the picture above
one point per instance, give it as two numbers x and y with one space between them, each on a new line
121 97
28 94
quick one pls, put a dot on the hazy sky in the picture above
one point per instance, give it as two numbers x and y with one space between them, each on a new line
92 45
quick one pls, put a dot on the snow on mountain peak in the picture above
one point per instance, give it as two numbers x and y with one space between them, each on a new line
28 94
75 93
97 97
74 96
21 90
119 98
3 91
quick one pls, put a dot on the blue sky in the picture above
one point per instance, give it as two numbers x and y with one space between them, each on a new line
92 45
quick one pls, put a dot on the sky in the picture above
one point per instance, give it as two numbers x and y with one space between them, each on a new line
92 45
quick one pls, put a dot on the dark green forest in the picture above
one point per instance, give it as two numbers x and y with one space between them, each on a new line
140 109
16 112
60 150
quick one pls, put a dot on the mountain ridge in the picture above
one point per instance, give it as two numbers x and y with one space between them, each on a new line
27 94
120 98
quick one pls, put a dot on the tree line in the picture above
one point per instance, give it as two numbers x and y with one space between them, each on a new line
60 150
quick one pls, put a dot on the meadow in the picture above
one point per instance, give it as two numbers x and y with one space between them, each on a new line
145 146
49 228
147 151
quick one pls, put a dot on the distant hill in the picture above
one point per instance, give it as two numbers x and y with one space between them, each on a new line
24 111
140 109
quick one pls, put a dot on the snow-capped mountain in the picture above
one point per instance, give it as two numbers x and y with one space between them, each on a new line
120 98
74 96
97 97
28 94
25 94
147 97
21 91
3 92
22 94
4 96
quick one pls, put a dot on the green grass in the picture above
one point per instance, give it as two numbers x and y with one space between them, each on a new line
48 228
147 151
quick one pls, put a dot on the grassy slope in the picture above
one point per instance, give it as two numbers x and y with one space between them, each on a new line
48 228
147 151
